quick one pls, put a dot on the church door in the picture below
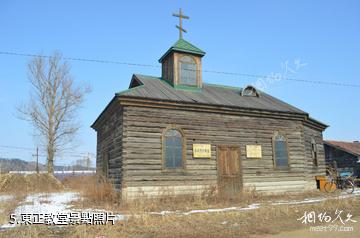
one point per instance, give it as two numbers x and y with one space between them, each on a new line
229 170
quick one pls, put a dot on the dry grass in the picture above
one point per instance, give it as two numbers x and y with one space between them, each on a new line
7 207
95 190
98 193
265 220
259 222
36 231
207 199
31 183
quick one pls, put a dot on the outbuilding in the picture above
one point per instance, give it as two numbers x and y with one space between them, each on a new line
344 156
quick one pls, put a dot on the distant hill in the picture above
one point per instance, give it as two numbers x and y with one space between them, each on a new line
15 164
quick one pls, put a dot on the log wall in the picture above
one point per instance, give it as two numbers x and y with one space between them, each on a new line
109 145
142 152
311 169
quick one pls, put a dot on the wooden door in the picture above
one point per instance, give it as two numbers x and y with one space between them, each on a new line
229 170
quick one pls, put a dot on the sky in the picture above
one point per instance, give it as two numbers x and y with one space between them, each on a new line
273 41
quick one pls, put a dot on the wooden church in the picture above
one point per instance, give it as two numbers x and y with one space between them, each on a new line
176 134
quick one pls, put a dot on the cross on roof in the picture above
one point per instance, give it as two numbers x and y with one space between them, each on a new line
180 16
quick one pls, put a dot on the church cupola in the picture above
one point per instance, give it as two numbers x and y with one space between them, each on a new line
181 64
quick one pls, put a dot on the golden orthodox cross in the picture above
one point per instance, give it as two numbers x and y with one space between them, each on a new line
180 16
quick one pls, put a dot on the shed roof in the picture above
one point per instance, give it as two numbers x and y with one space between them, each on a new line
350 147
210 94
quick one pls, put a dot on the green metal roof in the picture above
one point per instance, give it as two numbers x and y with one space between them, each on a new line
183 46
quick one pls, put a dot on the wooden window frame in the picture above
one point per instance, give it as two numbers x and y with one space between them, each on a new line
196 71
163 167
274 151
253 89
314 152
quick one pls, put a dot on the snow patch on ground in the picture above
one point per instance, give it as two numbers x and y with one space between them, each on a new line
4 198
306 201
52 203
47 203
250 207
211 210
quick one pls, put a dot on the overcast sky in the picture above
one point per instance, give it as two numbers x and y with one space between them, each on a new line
308 40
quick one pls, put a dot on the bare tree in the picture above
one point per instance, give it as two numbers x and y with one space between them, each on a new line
53 104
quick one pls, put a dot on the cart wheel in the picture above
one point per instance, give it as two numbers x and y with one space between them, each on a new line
349 186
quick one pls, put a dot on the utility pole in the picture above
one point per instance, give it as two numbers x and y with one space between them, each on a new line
37 159
88 161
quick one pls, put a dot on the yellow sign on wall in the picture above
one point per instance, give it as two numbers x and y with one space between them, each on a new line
253 151
201 150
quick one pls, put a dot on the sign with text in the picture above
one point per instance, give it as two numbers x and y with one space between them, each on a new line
253 151
201 150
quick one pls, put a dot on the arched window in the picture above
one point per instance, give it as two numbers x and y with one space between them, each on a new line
281 155
250 91
187 71
314 152
173 149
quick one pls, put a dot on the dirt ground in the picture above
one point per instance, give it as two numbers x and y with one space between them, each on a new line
305 232
250 216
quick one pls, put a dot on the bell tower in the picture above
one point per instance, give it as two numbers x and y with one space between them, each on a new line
181 64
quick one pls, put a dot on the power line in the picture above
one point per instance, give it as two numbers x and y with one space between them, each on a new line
16 147
71 154
79 59
58 156
286 78
206 71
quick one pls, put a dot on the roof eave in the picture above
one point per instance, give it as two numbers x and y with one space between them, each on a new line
94 125
172 49
319 124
